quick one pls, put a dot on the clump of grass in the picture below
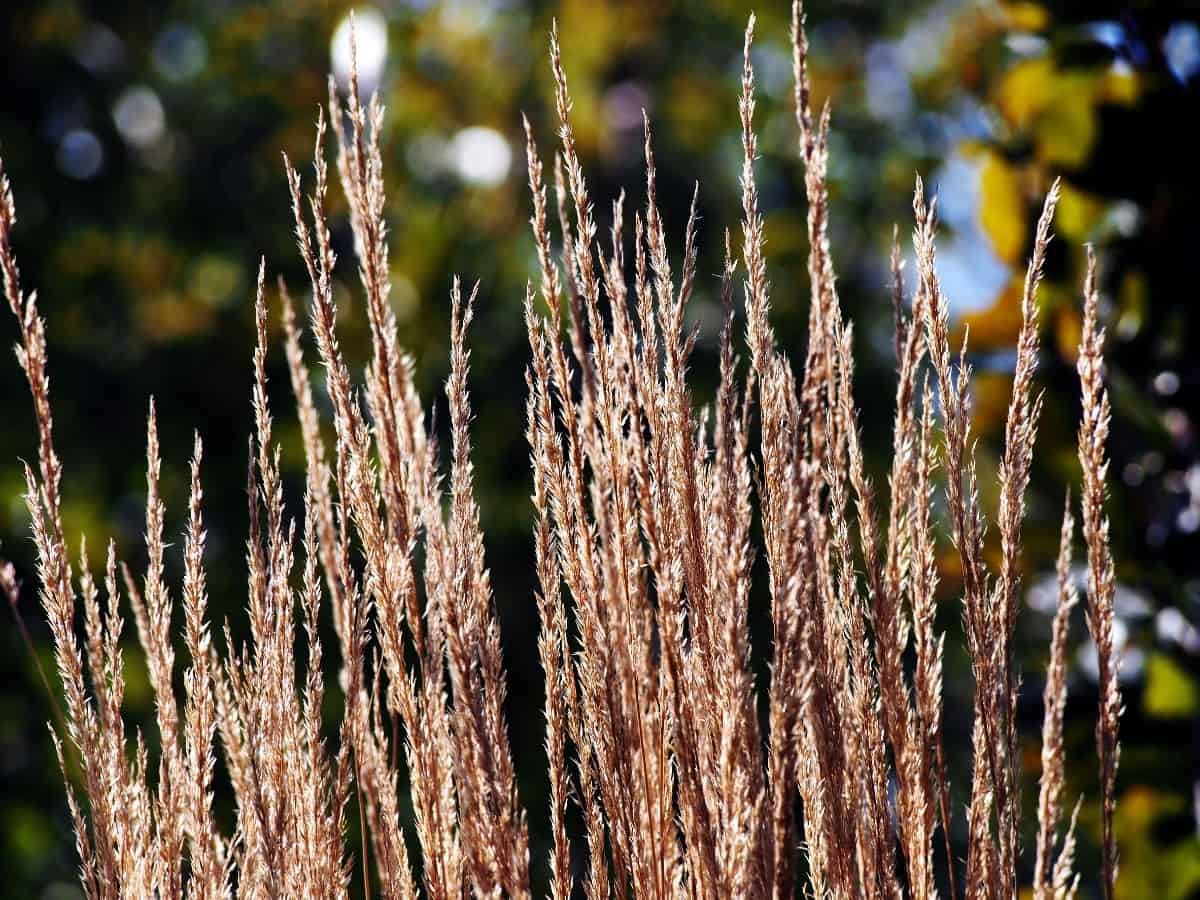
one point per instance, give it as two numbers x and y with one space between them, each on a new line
643 548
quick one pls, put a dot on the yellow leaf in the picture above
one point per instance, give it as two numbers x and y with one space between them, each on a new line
1120 85
1002 209
1055 108
1132 301
1077 213
1068 327
997 326
1025 91
1064 132
1143 872
989 401
1027 16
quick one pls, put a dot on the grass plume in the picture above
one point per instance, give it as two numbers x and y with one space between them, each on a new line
646 511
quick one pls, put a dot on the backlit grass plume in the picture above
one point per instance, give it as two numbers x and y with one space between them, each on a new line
673 771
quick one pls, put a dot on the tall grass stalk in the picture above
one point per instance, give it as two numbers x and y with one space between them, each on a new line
646 508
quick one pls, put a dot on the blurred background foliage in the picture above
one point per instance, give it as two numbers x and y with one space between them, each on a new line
143 142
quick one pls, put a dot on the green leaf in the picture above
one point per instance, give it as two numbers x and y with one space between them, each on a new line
1171 693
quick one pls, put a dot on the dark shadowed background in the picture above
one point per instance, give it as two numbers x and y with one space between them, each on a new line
143 142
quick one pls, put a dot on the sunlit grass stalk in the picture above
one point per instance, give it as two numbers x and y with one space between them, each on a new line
645 556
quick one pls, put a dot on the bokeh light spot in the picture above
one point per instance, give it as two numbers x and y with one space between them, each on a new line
180 52
370 37
480 155
139 116
80 154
